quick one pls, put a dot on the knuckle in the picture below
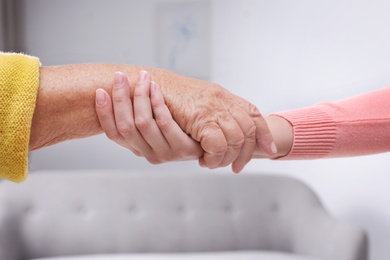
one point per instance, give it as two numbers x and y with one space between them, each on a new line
162 123
125 129
218 149
254 111
212 138
169 156
200 126
142 123
154 160
251 132
113 135
238 143
138 90
219 92
118 99
162 156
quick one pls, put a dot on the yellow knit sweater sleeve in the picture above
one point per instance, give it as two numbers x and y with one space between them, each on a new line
19 81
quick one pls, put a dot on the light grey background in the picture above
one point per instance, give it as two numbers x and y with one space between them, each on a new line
278 54
182 37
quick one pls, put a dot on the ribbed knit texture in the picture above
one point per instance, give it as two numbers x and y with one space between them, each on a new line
359 125
314 133
19 81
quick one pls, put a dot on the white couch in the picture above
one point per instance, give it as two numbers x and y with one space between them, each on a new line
108 215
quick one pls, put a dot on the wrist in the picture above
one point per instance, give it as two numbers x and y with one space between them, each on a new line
64 106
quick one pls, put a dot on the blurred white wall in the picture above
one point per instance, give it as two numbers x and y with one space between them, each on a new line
278 54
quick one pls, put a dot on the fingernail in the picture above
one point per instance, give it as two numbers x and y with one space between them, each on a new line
118 79
142 76
273 148
100 97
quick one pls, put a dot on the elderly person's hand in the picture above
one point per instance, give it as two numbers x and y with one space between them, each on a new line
227 126
144 126
224 124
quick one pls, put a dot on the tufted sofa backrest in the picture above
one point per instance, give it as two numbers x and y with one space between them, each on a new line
63 213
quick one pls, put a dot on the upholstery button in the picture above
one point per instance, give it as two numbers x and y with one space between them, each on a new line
132 208
84 211
180 209
79 208
228 208
29 209
274 207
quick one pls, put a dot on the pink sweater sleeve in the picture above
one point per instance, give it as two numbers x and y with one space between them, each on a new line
359 125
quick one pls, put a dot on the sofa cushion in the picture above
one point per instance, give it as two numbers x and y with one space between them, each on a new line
241 255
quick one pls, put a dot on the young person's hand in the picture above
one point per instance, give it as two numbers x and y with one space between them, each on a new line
145 126
282 134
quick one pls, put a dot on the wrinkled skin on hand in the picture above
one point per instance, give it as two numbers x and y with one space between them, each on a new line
227 126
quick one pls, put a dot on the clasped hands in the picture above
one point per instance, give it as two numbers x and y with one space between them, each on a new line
182 119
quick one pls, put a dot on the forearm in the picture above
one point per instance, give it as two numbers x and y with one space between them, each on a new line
223 123
65 105
359 125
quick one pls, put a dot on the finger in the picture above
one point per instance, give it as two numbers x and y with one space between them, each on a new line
124 116
234 138
264 138
213 143
105 115
176 138
144 120
248 129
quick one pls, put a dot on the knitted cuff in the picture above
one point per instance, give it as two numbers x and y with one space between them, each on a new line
314 133
19 81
